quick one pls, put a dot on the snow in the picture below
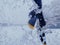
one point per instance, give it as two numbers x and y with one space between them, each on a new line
14 29
15 35
54 38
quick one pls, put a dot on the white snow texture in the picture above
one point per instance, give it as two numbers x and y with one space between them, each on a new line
14 18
